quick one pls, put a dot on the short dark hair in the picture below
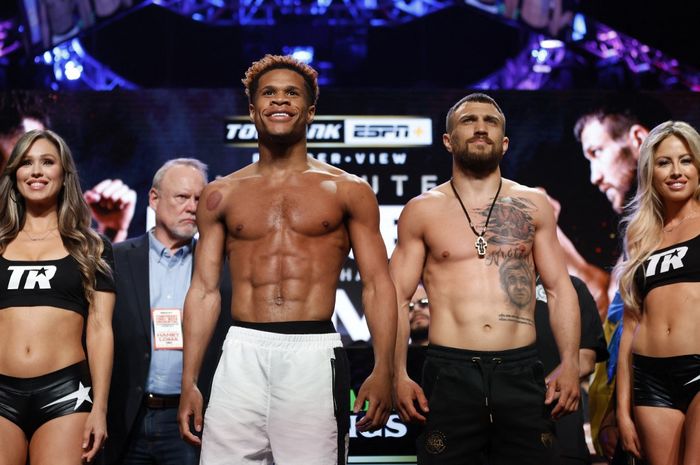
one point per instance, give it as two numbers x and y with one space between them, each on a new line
619 112
475 97
270 62
616 121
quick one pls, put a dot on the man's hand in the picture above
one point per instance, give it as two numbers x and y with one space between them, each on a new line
409 395
112 203
377 390
191 403
563 385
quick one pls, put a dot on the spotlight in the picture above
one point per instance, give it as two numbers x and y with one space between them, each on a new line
74 67
73 70
547 54
303 53
579 27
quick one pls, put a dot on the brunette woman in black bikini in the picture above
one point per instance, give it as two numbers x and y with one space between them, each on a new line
55 287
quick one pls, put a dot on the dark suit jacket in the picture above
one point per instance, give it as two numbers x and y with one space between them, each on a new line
132 343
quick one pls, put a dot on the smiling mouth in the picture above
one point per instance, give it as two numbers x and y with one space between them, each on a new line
279 114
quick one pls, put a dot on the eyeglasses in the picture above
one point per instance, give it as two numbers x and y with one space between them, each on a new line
423 303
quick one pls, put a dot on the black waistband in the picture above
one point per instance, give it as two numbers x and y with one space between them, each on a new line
289 327
80 370
505 356
663 363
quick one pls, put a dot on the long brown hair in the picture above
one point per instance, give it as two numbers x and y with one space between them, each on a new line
82 243
645 221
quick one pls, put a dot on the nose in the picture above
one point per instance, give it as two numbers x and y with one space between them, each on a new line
480 127
675 169
596 174
36 170
280 99
191 205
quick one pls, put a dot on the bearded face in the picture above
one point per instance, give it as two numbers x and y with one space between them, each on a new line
480 154
476 139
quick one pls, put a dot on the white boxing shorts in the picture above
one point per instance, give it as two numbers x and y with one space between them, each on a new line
279 398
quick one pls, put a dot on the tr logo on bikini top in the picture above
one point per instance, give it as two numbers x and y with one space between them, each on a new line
670 259
36 275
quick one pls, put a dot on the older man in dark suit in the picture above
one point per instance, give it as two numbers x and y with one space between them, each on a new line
153 274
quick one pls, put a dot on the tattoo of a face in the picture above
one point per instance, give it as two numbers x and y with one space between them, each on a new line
518 282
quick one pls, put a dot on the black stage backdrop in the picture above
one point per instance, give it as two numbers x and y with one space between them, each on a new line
392 138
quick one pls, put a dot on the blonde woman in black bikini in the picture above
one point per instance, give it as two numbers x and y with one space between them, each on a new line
55 287
658 374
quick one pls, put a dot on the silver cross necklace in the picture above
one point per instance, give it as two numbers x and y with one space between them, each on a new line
480 243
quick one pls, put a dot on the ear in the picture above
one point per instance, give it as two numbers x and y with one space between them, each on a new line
506 141
447 142
636 135
251 112
311 112
153 198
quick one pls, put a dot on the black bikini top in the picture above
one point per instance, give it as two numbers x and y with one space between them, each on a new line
677 263
54 283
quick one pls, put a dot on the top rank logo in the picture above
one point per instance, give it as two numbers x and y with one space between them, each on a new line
36 275
346 131
240 131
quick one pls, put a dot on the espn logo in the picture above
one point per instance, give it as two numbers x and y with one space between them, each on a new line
388 131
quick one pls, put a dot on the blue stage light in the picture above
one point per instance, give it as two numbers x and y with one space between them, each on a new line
73 70
303 53
579 27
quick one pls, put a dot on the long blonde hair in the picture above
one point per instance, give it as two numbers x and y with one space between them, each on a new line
645 221
82 243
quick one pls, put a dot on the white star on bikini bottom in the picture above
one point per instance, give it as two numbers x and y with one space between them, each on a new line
80 396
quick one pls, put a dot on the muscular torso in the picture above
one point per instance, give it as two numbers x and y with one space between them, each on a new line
481 303
286 240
